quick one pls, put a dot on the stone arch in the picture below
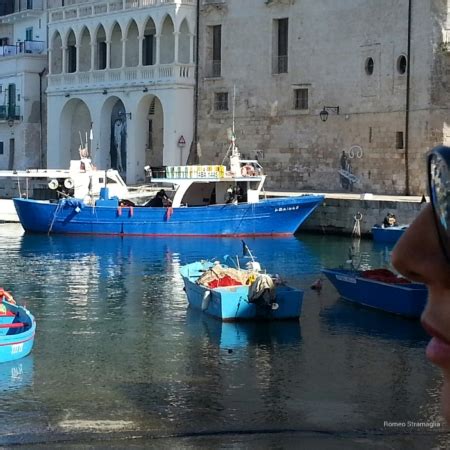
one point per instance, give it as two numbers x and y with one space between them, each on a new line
84 48
71 52
100 48
184 43
149 43
132 45
167 41
75 122
57 51
116 46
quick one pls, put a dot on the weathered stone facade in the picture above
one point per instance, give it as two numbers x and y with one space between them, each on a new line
351 54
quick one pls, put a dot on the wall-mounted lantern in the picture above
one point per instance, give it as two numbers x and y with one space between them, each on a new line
326 110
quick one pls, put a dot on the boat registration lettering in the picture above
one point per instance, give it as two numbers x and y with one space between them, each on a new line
346 279
287 208
16 348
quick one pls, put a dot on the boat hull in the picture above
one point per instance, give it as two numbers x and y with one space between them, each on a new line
16 343
231 303
403 299
388 235
269 217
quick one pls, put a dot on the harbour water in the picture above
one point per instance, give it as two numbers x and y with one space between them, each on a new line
120 362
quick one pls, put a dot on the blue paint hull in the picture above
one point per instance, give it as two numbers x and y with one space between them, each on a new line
268 217
16 342
403 299
387 235
231 303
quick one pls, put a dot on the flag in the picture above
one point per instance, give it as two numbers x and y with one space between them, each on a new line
245 250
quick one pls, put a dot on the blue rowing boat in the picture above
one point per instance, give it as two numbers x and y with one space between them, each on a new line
232 294
380 289
388 235
192 201
17 329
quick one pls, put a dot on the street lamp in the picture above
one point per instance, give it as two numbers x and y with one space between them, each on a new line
325 111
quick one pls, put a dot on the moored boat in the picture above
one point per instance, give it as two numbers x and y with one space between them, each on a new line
194 201
17 329
233 293
388 235
380 289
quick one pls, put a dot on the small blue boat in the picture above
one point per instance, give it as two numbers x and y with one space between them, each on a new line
380 289
231 294
388 235
17 329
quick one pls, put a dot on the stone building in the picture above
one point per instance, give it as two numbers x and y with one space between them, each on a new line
121 78
326 95
23 62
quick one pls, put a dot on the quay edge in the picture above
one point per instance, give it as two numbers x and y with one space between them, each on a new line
336 215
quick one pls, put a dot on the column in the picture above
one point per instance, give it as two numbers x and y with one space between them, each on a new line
64 59
77 57
124 45
92 55
191 49
50 61
177 37
158 42
108 54
140 51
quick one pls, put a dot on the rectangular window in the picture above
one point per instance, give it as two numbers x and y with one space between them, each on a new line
216 50
301 99
147 50
1 148
29 34
71 59
399 144
29 6
221 101
101 55
280 49
11 101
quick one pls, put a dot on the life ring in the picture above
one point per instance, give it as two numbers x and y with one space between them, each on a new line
248 171
7 295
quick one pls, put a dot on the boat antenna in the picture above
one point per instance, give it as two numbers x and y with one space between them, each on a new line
233 134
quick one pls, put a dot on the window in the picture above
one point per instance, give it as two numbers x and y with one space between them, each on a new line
216 51
101 55
147 50
71 59
401 64
369 65
301 99
221 101
399 140
280 60
29 34
1 147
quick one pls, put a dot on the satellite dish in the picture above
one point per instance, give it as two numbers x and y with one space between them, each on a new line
68 183
53 184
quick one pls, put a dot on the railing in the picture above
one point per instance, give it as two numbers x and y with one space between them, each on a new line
88 8
24 5
30 47
162 74
9 112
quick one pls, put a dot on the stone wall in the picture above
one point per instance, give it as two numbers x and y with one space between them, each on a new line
337 216
328 50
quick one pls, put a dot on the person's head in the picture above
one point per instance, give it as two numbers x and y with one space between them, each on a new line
423 255
161 193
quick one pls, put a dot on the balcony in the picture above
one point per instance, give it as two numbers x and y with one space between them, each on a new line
24 9
9 112
28 47
180 74
89 8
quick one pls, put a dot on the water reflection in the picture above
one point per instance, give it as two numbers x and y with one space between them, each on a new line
347 318
243 334
16 374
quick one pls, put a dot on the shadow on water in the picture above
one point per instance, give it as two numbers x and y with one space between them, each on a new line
346 318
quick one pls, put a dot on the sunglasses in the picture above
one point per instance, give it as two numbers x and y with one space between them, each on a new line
439 188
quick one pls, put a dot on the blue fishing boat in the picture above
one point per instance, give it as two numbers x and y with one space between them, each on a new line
233 293
191 201
380 289
17 329
388 235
